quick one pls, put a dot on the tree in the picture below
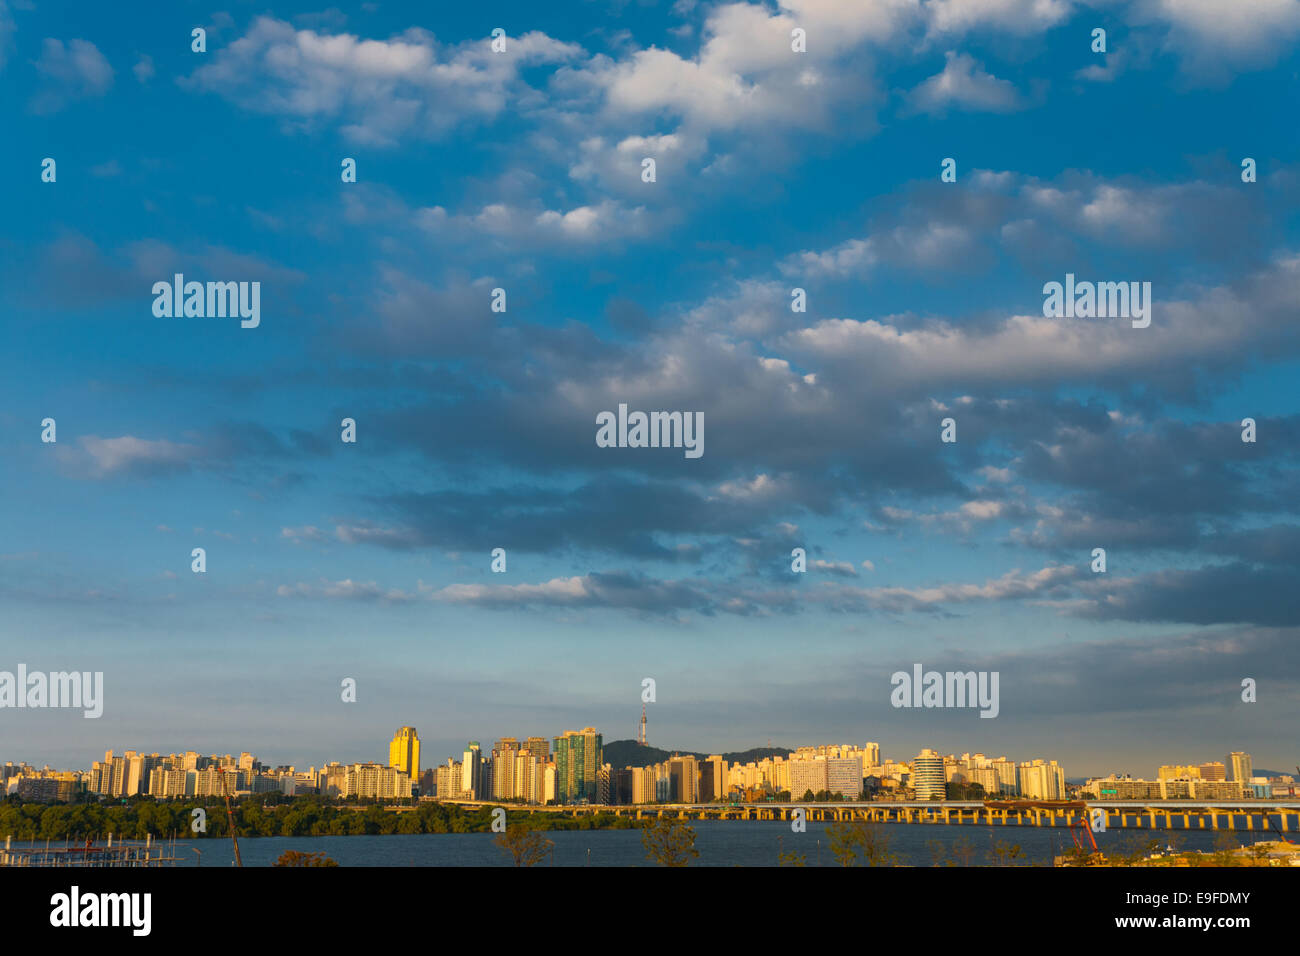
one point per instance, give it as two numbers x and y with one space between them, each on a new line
788 859
1258 854
1133 849
938 852
962 850
1225 847
296 858
669 843
526 845
859 843
1004 854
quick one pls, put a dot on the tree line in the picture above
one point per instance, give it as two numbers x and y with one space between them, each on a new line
258 817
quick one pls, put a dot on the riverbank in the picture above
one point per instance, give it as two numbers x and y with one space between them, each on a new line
719 843
297 817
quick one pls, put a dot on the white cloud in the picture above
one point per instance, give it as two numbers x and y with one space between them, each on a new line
925 246
378 90
556 591
1012 585
347 590
842 568
1248 34
605 221
68 73
1211 326
963 84
1012 16
113 456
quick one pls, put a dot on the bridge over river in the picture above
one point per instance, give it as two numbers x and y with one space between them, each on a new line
1265 815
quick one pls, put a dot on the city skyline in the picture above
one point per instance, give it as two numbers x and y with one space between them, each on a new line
964 359
423 750
573 768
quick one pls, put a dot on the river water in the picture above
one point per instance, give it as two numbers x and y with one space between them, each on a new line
719 842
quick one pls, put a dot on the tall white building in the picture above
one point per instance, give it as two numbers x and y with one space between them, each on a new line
376 781
928 776
471 770
1008 778
807 774
1042 780
1239 767
844 776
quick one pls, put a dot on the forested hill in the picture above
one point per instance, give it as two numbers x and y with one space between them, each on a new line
629 753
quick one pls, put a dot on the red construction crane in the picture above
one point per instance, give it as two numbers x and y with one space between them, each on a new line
1081 831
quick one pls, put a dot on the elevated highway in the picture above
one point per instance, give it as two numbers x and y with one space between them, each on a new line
1248 815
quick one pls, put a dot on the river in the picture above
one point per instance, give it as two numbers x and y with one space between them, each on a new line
719 842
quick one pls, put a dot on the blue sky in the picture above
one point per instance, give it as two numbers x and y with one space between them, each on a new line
775 170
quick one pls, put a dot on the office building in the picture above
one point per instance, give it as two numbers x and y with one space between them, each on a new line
928 776
1239 765
404 752
578 756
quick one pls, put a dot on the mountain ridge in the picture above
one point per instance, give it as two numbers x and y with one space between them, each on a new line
629 753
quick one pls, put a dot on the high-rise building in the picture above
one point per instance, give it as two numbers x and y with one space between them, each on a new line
713 779
986 777
447 781
404 752
548 783
578 756
1042 780
539 747
1213 771
1240 765
376 781
471 772
333 779
844 776
503 768
683 777
604 784
807 774
928 776
643 784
